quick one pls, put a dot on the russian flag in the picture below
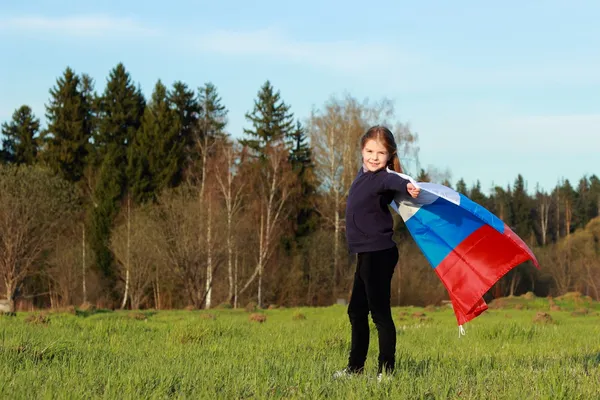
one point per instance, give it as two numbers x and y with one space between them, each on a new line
469 248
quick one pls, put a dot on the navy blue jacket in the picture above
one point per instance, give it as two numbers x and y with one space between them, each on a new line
369 224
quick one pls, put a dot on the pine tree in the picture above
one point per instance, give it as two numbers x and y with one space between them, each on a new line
593 205
187 108
423 176
461 187
302 164
500 203
212 117
477 195
580 207
120 110
271 119
70 125
156 154
20 143
521 215
212 120
568 198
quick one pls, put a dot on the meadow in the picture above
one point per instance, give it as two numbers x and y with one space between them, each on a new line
512 351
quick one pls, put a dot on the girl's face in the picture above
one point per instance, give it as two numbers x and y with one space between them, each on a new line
375 156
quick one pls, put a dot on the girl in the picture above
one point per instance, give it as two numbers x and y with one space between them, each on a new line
369 230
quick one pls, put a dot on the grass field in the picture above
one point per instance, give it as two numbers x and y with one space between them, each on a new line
223 354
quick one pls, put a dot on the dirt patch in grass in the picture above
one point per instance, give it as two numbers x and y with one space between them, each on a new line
257 317
543 318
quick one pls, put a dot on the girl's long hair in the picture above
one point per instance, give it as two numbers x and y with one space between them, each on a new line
384 136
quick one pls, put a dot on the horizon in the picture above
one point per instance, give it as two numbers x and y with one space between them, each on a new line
460 83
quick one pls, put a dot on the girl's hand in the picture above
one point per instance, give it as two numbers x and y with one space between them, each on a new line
412 190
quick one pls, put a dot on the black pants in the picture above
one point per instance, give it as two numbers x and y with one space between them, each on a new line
371 292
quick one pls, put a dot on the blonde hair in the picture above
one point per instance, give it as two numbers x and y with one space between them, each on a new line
384 136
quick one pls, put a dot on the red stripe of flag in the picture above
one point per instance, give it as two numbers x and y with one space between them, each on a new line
476 264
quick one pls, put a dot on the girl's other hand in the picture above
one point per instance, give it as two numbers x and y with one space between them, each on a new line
412 190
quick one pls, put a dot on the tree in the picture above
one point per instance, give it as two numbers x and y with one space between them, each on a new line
331 130
133 246
273 183
185 105
543 202
593 205
461 187
423 176
231 189
302 164
70 125
477 195
120 111
520 209
272 121
20 143
568 197
34 203
179 241
335 132
156 153
212 120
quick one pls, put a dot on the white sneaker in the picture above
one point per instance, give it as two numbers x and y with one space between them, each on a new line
344 373
381 377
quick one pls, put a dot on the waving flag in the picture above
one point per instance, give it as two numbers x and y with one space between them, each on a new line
469 248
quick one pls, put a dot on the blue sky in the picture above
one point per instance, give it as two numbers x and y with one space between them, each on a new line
492 90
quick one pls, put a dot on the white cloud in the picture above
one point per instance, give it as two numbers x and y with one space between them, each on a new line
343 56
78 25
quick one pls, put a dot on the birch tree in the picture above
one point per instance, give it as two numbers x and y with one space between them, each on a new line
543 202
231 190
132 246
335 133
274 182
66 266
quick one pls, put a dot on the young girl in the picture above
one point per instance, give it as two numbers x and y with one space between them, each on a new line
369 230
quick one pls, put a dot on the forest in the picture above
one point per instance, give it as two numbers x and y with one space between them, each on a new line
123 200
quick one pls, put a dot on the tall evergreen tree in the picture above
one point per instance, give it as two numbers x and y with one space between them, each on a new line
593 205
521 210
156 153
120 111
423 176
185 104
461 187
70 120
500 203
212 120
302 164
580 208
212 117
477 195
568 198
271 120
20 144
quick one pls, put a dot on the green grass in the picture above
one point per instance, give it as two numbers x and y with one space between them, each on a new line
221 354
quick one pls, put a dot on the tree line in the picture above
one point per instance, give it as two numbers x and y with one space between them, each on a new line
129 202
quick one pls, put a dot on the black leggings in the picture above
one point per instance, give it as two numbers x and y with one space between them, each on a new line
371 292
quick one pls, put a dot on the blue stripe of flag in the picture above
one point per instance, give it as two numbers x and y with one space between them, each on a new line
482 212
440 226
